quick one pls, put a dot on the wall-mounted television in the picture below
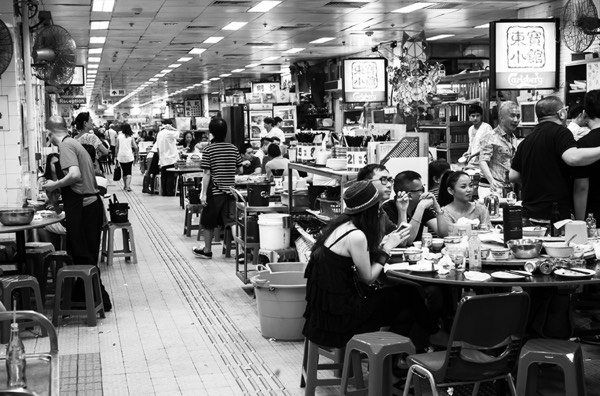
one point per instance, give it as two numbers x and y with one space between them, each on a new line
364 80
528 116
525 54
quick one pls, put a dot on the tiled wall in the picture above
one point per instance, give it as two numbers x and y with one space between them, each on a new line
10 138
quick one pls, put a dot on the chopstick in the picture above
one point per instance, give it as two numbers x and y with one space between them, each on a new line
518 273
576 270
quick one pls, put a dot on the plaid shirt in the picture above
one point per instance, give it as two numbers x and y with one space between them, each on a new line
497 150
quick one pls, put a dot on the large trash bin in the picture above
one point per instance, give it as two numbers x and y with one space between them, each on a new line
281 302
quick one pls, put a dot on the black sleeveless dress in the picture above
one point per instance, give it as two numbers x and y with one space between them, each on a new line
335 311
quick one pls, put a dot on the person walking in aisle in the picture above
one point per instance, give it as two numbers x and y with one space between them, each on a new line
125 148
84 210
166 146
111 133
221 162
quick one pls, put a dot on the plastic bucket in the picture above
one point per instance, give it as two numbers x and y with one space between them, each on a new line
286 267
258 194
274 231
280 298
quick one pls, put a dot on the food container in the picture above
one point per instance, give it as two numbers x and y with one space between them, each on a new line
525 248
452 239
558 249
299 198
413 255
534 231
437 243
501 253
14 217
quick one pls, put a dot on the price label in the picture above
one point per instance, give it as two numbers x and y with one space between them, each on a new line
356 159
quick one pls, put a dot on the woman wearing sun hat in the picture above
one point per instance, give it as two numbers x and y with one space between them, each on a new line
348 257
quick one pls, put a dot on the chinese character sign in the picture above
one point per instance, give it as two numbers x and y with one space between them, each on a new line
365 80
526 47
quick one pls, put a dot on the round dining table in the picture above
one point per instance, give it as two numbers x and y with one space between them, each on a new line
19 231
180 172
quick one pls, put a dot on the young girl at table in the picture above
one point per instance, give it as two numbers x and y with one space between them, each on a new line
456 192
346 259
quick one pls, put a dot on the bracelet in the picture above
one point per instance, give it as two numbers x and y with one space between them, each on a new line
383 258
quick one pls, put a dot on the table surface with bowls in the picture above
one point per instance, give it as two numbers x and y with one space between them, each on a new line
15 220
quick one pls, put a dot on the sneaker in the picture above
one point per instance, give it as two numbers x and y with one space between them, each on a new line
199 252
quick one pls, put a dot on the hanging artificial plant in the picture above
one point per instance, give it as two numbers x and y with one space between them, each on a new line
412 77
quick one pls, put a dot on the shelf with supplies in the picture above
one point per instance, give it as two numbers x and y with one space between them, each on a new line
580 77
342 176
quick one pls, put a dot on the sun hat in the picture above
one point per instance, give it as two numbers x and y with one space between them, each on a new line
359 196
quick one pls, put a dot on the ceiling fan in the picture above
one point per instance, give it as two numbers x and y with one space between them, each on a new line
580 24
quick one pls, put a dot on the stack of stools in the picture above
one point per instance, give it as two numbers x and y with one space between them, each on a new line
190 211
52 263
108 240
379 347
35 254
565 354
24 284
93 295
310 366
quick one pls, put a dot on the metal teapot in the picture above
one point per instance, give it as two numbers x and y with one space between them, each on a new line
492 203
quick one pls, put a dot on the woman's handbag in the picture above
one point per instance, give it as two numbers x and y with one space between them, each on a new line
119 211
117 173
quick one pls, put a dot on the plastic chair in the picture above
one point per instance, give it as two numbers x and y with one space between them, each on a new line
43 376
108 240
190 211
93 296
565 354
484 345
309 379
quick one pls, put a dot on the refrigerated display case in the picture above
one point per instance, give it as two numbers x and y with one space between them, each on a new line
256 113
289 116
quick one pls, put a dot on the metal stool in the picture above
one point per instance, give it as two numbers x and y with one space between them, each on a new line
52 263
93 295
108 240
309 378
24 284
565 354
379 347
190 210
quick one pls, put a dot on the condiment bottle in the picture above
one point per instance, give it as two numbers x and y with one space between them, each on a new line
15 358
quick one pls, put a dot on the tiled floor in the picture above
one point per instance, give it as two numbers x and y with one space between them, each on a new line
180 324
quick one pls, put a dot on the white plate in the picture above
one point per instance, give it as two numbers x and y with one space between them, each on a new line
506 276
572 274
397 251
476 276
423 268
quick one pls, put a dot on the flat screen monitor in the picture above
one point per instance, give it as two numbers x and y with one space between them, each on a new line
365 80
525 54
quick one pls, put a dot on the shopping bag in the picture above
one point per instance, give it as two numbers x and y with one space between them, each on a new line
117 173
148 184
119 211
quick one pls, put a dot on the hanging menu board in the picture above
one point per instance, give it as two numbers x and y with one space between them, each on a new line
193 108
525 55
365 80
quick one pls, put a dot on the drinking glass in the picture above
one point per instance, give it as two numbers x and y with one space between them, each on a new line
511 198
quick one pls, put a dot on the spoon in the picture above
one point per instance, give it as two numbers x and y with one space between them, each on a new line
570 239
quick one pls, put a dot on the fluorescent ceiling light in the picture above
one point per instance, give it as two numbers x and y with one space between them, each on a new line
253 65
174 65
197 51
185 59
99 25
103 5
293 50
264 6
484 26
215 79
439 37
92 71
215 93
212 40
94 59
238 70
153 79
270 58
205 81
225 75
235 25
159 75
97 40
93 66
413 7
165 71
95 51
322 40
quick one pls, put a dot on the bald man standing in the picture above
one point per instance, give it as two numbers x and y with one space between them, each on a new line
84 209
498 148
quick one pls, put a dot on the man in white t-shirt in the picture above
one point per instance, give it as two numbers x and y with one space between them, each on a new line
112 140
579 122
166 146
273 130
476 133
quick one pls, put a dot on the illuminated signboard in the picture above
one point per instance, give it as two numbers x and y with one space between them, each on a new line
365 80
525 54
78 76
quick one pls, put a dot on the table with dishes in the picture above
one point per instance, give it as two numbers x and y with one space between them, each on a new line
180 171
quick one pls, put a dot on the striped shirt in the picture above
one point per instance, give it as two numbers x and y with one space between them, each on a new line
222 160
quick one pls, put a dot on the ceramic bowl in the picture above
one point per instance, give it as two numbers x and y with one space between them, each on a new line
501 253
558 249
413 255
437 243
534 231
452 239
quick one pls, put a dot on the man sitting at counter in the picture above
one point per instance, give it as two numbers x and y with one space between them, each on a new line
422 208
